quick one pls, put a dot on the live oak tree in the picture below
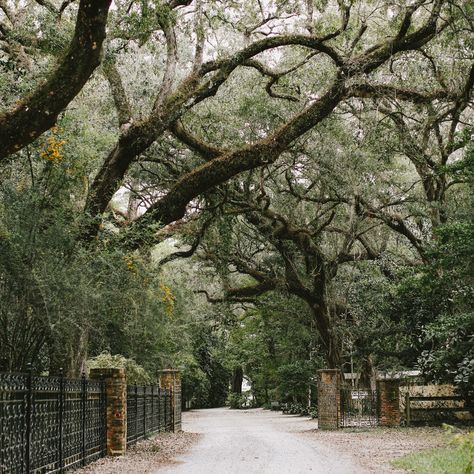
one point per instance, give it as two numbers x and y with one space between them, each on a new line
391 206
454 100
352 52
350 72
171 65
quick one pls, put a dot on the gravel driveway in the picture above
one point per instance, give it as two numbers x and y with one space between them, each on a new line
256 441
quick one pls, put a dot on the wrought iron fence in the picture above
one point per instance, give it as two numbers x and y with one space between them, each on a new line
53 424
50 424
358 407
149 410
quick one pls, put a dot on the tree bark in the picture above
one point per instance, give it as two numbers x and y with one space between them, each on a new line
237 379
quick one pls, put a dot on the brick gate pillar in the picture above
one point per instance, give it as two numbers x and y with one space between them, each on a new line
388 398
329 399
171 379
116 391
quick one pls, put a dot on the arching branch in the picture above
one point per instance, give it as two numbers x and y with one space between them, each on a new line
37 113
190 252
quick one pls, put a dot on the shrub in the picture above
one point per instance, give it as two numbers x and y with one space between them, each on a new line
135 373
236 401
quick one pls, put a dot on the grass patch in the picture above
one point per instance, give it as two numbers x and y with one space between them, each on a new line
437 461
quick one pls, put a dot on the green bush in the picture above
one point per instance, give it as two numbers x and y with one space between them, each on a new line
236 401
299 409
134 372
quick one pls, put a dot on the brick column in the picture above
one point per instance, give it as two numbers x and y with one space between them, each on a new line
116 391
171 379
329 399
388 397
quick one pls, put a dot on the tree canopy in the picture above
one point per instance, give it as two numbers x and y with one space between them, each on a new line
253 187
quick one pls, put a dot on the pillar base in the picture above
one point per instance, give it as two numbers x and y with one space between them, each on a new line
388 397
116 390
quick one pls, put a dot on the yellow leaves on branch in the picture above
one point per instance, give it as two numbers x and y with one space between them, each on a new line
165 294
130 262
52 150
168 299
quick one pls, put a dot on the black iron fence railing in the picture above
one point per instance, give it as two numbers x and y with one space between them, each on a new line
50 424
149 410
54 424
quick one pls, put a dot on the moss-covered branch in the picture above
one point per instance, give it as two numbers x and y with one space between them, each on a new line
38 112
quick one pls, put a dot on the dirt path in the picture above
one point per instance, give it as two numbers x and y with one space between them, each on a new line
256 441
375 447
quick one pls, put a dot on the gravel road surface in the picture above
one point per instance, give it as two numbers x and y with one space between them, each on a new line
256 441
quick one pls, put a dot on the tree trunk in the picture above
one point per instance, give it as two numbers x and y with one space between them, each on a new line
328 338
237 379
367 373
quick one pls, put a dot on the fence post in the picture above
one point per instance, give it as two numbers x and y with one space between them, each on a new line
159 409
407 408
165 405
83 416
171 379
152 408
29 407
388 393
136 413
329 399
61 420
116 406
144 410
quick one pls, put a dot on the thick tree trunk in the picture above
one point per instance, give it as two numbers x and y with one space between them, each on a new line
367 373
324 322
237 379
329 340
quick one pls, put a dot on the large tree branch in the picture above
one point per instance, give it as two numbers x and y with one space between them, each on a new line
37 113
375 56
171 62
190 252
265 283
205 83
122 105
206 150
173 205
191 91
397 224
10 14
257 47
